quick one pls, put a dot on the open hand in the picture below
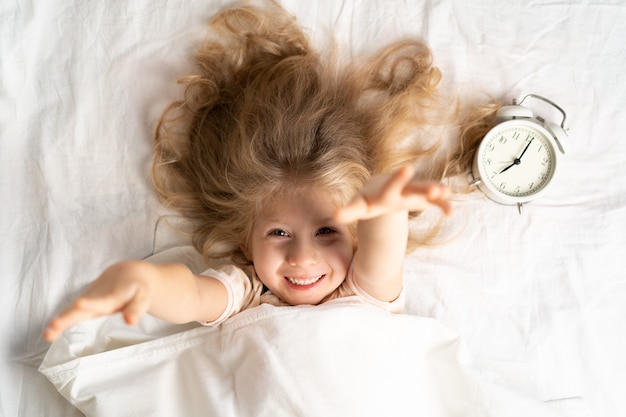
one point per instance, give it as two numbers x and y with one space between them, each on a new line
398 191
118 289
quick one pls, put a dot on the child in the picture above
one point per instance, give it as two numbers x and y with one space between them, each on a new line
296 174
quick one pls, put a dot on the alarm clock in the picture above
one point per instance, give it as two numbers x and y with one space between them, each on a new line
518 159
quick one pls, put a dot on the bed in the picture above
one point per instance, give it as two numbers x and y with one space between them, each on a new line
531 307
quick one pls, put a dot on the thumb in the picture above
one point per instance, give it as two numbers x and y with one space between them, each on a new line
355 210
136 307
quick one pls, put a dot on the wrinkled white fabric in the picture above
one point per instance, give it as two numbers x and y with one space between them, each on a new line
343 357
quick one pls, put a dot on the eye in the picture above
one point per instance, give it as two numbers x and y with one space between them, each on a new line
278 232
326 231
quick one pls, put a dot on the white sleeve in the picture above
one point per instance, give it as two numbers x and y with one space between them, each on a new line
243 291
395 306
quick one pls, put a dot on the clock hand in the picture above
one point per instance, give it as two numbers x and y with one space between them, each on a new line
525 149
518 160
510 166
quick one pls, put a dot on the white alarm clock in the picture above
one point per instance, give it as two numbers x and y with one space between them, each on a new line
518 158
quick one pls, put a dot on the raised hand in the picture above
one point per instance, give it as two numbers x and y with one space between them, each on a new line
398 191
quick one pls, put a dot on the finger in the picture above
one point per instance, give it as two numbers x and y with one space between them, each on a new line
66 320
354 211
102 304
425 194
399 180
84 308
438 191
439 195
137 307
445 206
373 203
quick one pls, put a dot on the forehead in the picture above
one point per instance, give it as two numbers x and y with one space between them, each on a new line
298 204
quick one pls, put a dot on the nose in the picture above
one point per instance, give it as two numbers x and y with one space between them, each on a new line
302 253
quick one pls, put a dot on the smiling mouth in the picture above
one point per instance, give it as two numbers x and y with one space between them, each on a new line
304 281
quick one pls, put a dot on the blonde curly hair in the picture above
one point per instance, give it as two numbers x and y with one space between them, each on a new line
265 112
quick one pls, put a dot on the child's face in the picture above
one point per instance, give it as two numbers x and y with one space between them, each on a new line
298 250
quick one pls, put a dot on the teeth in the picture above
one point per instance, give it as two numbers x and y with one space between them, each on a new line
307 281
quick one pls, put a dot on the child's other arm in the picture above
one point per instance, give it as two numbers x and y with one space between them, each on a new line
169 291
382 212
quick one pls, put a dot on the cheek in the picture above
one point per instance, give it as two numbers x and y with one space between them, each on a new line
345 252
266 256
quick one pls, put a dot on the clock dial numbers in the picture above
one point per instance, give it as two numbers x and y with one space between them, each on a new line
518 160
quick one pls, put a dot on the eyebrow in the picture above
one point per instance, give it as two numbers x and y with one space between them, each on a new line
277 220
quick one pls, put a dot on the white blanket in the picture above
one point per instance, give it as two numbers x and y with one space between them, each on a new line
343 358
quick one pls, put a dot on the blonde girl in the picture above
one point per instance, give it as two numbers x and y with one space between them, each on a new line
298 175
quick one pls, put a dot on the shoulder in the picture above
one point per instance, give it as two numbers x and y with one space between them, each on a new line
241 281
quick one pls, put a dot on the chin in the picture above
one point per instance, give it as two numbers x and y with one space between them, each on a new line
304 299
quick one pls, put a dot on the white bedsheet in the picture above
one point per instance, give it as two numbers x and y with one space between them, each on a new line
340 359
539 299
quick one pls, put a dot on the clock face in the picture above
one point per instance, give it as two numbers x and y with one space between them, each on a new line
517 159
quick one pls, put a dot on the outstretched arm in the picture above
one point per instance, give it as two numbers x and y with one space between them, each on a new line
381 209
169 291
